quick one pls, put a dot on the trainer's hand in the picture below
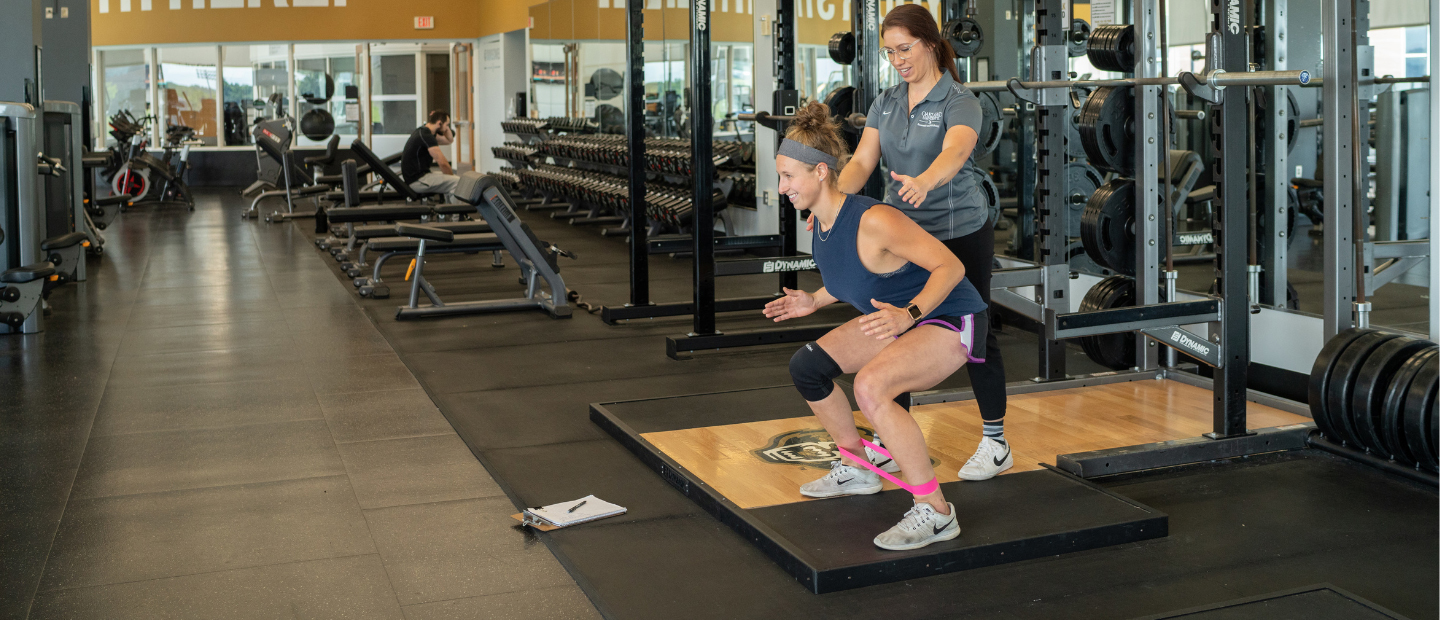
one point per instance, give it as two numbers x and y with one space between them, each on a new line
886 321
793 305
810 222
911 189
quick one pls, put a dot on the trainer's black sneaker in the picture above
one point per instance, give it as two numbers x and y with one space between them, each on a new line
843 480
921 526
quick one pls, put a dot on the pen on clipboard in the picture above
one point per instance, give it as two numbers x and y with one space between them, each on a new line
572 508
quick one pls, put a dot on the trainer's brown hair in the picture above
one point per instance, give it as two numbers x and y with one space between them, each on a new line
814 127
917 20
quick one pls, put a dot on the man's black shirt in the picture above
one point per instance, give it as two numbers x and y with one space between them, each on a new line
415 160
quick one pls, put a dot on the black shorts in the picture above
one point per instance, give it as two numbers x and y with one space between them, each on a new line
972 329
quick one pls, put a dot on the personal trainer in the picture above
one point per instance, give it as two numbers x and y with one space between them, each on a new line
925 128
921 322
423 150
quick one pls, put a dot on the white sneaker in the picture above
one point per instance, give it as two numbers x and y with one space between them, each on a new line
843 480
991 458
885 463
920 526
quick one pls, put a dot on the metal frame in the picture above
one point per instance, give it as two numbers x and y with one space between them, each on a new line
705 334
1050 60
27 228
1338 101
1276 204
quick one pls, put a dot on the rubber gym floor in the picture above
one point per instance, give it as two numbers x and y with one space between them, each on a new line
101 527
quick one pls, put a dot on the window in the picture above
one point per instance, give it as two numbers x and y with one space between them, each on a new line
187 79
395 105
125 83
1402 52
322 72
239 94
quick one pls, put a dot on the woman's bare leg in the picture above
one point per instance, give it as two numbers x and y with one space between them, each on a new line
918 360
851 349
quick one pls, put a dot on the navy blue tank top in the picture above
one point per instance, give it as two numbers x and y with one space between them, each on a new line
849 281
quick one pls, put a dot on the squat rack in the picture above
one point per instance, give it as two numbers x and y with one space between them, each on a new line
703 243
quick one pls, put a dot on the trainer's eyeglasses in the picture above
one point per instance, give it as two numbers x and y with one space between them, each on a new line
904 52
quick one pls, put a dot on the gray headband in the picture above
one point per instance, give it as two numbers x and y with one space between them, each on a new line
807 154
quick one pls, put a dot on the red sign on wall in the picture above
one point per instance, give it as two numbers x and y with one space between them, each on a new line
425 23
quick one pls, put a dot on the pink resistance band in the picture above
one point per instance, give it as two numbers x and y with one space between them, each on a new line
923 489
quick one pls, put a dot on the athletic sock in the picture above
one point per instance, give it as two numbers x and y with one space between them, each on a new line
994 430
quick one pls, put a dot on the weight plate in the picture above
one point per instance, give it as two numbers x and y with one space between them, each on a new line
1262 118
992 125
1080 261
1077 38
965 36
992 196
841 102
1112 48
1420 413
1392 414
1081 181
1342 383
1106 130
1367 400
1074 146
842 47
1320 374
1116 351
1107 227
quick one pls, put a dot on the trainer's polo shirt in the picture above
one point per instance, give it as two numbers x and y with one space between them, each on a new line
911 140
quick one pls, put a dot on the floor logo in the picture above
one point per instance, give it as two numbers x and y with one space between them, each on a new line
811 447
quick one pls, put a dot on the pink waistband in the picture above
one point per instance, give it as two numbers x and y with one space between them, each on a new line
922 489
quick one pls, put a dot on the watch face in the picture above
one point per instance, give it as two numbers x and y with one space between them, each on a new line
915 313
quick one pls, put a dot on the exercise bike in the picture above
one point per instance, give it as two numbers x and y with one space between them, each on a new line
170 167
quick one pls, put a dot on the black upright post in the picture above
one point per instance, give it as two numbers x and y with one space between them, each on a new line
635 137
1051 241
867 72
785 81
1024 244
703 167
1227 131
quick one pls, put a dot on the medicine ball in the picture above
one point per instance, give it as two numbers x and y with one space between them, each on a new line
317 124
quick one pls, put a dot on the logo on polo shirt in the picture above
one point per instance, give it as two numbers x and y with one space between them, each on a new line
930 119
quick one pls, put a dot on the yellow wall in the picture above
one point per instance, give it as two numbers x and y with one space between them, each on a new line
178 21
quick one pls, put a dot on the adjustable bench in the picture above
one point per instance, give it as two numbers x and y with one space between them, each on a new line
21 290
392 246
537 259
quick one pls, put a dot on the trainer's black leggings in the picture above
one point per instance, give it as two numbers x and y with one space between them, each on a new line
977 252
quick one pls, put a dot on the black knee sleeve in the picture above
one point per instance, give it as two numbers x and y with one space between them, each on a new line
814 372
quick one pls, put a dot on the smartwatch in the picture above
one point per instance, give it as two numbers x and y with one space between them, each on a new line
915 313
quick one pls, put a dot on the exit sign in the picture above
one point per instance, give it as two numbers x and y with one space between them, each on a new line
425 23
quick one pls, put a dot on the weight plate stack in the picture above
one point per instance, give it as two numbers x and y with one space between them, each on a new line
1367 399
1420 420
1392 410
992 125
1107 227
1320 376
1082 181
1342 383
1115 351
1107 130
1112 48
1077 39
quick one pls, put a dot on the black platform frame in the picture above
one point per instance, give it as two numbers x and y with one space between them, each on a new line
818 577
